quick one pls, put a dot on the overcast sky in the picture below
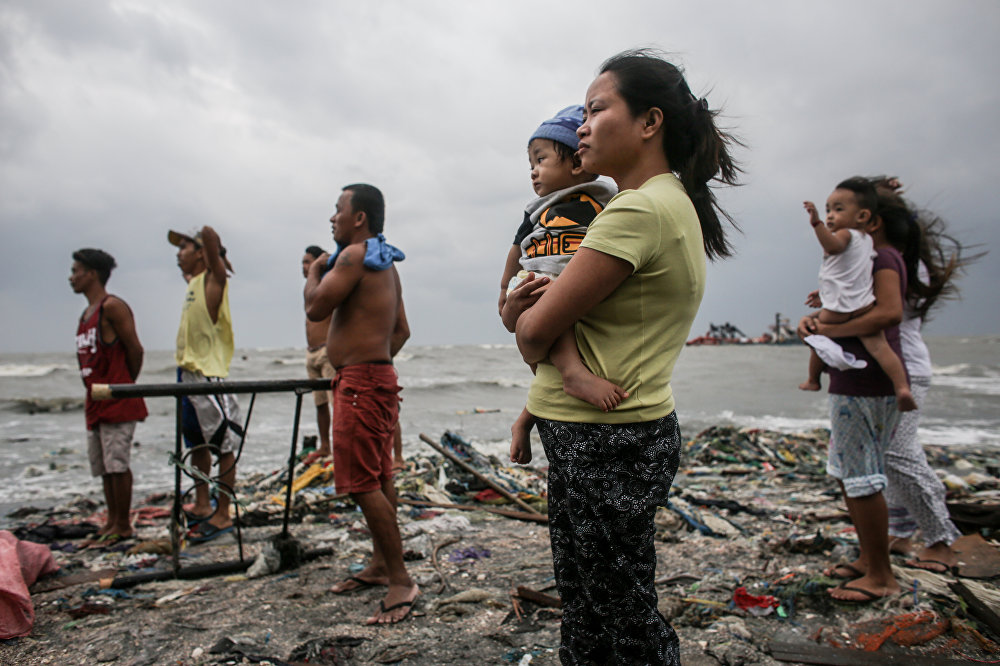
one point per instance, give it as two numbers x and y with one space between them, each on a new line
120 120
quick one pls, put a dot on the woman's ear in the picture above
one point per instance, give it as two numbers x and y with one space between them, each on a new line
652 121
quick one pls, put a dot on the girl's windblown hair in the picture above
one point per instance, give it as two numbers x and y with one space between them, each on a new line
922 237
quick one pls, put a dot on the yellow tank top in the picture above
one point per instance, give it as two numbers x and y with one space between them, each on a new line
201 345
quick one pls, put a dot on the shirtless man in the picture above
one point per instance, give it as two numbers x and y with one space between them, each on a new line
368 328
318 361
109 352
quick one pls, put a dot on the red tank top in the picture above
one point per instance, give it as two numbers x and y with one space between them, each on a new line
103 363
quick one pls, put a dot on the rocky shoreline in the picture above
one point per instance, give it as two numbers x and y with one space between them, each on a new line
752 523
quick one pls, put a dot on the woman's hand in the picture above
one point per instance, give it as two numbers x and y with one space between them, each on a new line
808 325
522 298
813 301
589 277
888 310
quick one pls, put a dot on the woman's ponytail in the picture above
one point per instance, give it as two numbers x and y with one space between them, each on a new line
697 150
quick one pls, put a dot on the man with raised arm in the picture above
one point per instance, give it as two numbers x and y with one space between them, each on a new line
318 361
211 423
109 352
368 327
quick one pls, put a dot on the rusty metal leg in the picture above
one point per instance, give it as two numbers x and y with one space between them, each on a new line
175 515
291 463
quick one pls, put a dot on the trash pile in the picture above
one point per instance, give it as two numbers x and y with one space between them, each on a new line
751 523
434 480
760 520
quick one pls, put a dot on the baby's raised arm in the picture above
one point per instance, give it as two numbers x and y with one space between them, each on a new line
833 242
813 213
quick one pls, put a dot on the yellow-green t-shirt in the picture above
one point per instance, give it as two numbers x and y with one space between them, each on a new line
634 336
203 346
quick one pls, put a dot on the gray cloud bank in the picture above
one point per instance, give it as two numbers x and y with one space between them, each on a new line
122 119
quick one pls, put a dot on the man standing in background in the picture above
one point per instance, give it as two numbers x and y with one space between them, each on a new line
211 423
318 362
362 292
109 352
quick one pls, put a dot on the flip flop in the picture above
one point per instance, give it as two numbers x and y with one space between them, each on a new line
870 596
192 519
108 540
855 572
383 609
359 584
206 532
917 561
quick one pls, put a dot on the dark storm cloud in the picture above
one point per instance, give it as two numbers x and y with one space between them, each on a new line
119 120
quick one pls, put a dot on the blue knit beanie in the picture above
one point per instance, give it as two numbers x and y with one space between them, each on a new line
562 127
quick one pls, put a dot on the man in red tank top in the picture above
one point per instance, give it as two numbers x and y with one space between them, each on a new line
109 352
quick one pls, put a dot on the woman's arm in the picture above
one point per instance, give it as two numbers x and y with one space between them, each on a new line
510 268
888 310
588 279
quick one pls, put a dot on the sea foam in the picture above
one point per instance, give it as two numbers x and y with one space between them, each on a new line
29 370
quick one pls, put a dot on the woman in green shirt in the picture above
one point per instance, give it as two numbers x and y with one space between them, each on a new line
630 294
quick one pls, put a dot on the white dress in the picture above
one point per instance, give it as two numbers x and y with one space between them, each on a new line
845 278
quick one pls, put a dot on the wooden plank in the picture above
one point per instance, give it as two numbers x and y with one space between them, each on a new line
539 598
977 557
520 515
811 653
978 607
485 479
59 582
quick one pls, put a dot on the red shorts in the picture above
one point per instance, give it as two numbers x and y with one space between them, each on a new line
365 411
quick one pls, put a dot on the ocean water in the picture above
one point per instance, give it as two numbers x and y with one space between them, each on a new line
475 390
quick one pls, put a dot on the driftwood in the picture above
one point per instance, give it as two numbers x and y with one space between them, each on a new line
485 479
520 515
810 653
977 606
539 598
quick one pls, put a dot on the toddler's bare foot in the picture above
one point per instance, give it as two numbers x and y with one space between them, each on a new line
590 388
905 401
810 385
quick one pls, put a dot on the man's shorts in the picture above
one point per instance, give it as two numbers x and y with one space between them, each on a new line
109 447
319 367
365 412
861 429
210 419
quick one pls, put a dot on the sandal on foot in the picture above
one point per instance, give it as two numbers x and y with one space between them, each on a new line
916 563
108 540
359 584
854 572
869 596
206 532
383 609
193 519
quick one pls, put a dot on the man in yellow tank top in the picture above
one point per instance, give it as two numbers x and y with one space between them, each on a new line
211 423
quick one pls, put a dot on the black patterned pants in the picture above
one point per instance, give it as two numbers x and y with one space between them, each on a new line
605 484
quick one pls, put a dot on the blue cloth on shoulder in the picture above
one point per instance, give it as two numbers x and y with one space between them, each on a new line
379 254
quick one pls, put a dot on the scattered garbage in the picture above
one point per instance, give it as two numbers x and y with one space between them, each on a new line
751 523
